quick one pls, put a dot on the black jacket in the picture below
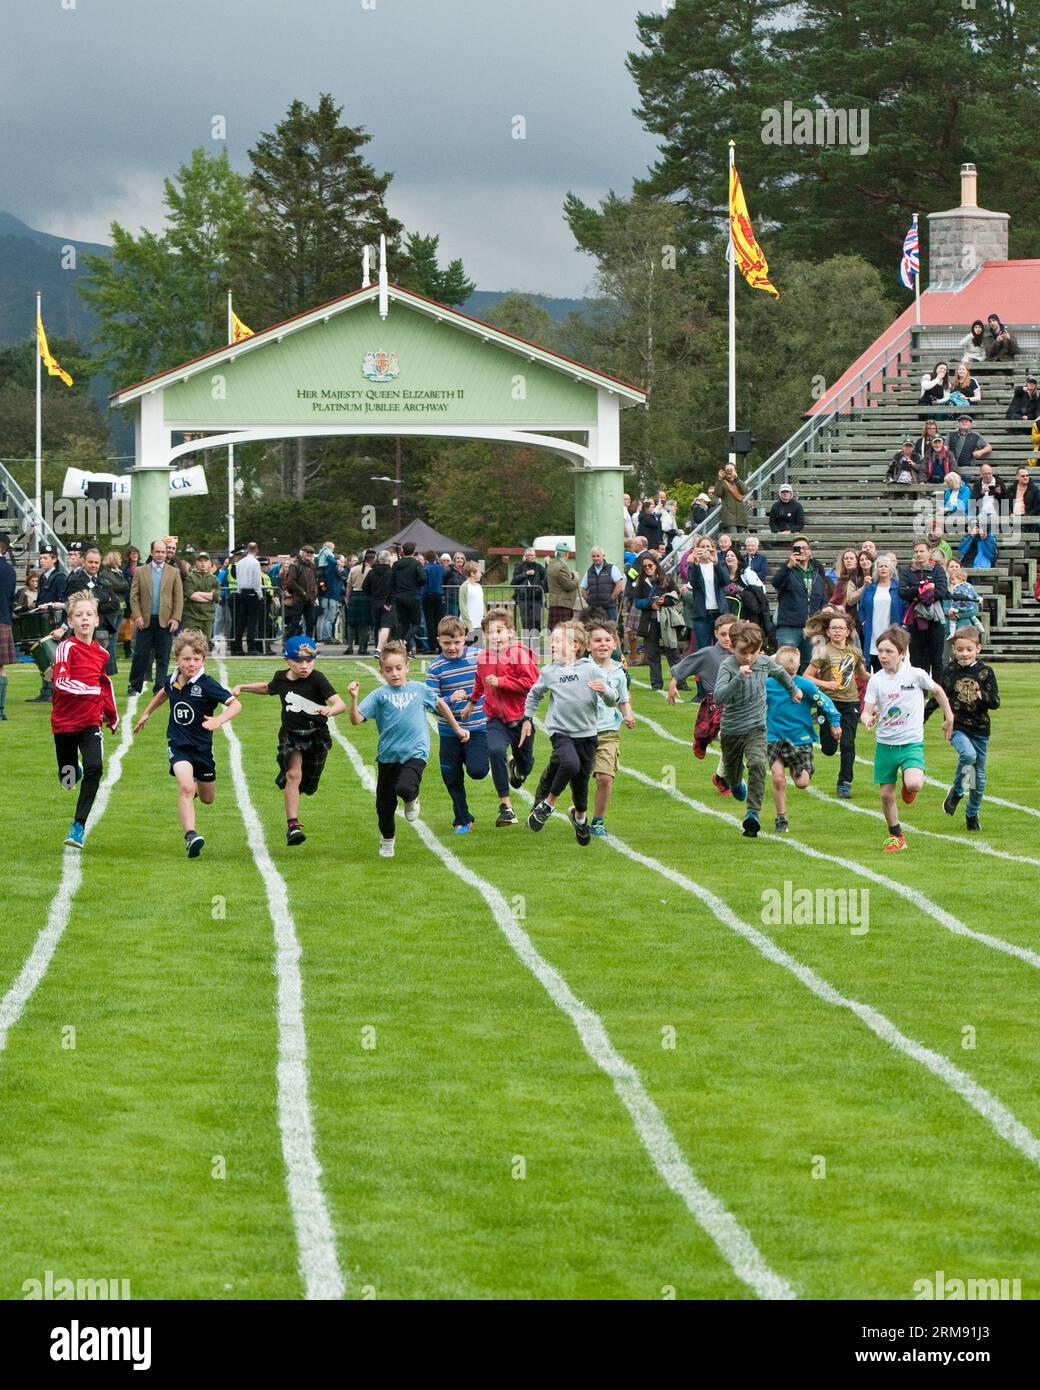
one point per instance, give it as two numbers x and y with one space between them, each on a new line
379 585
52 586
786 516
599 588
408 577
696 599
796 602
649 526
1023 407
910 584
970 713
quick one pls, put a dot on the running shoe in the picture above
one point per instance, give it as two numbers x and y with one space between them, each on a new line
75 836
972 823
506 816
386 849
950 801
845 791
739 791
751 826
598 828
908 797
540 813
699 750
894 843
516 779
720 786
411 809
781 825
582 831
294 835
465 829
193 842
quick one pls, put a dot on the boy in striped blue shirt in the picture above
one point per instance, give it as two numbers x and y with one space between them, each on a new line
451 676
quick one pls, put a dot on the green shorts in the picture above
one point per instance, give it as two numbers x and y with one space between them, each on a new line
892 758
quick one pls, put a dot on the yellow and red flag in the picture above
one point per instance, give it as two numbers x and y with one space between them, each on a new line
750 259
53 366
239 330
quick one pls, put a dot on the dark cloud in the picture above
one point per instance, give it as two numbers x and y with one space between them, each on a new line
99 102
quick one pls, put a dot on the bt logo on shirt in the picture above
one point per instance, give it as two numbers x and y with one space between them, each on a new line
183 714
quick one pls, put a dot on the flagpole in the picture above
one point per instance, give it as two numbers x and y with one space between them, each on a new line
732 322
37 531
917 277
231 451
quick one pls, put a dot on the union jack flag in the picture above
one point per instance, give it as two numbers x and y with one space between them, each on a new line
910 265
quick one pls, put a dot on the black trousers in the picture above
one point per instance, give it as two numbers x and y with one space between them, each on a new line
248 612
574 759
502 736
409 616
652 650
151 644
849 711
80 757
395 780
433 612
926 648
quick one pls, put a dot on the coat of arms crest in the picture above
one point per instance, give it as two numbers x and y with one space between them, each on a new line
380 366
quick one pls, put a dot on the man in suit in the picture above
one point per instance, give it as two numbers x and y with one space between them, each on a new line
156 606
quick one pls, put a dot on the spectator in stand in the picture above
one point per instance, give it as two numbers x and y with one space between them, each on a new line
802 589
978 550
732 492
409 577
940 547
1000 345
379 586
562 585
988 491
868 547
454 577
701 506
974 343
964 444
1025 401
669 525
965 389
935 460
904 470
846 579
1025 496
879 607
754 559
786 515
649 526
702 596
529 586
956 496
924 590
935 388
725 542
602 584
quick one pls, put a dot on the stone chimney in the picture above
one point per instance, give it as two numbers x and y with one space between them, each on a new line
962 238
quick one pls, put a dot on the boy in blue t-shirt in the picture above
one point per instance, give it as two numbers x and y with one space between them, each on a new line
193 698
451 676
399 709
790 730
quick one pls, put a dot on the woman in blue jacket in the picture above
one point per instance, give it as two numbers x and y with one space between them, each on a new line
978 552
879 607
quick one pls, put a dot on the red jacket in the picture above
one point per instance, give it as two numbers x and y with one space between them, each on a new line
517 670
83 694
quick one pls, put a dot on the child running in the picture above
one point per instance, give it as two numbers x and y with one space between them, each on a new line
82 701
895 703
308 703
506 671
834 668
790 730
704 664
399 710
193 697
450 676
573 682
603 650
972 690
741 689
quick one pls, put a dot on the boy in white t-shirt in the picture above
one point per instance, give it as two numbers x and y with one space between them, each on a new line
895 703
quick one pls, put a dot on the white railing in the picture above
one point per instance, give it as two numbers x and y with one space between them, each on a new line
777 465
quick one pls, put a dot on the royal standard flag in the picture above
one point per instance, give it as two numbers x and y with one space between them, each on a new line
748 253
910 265
49 361
239 330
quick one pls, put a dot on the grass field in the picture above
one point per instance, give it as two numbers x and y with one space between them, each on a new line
524 1069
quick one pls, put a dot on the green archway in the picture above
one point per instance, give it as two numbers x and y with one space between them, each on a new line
396 365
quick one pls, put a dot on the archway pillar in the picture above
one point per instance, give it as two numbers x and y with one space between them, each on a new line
150 495
598 494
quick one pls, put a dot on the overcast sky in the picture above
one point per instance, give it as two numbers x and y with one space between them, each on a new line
101 100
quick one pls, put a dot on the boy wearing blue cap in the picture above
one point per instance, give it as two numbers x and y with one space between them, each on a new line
308 703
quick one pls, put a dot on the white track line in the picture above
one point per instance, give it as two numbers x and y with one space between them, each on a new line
319 1266
912 895
988 800
993 1111
60 910
732 1240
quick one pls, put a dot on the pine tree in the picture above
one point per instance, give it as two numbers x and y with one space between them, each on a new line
422 274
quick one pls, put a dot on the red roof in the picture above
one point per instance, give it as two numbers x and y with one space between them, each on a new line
1008 288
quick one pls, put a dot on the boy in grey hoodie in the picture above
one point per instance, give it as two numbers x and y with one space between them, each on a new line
741 690
572 681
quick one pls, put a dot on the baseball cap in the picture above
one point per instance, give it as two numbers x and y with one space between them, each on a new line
703 497
785 487
970 419
300 648
562 548
909 439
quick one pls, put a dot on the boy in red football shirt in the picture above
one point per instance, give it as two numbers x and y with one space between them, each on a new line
506 670
83 700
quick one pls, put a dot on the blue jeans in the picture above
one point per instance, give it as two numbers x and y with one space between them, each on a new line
971 757
457 759
704 629
794 637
